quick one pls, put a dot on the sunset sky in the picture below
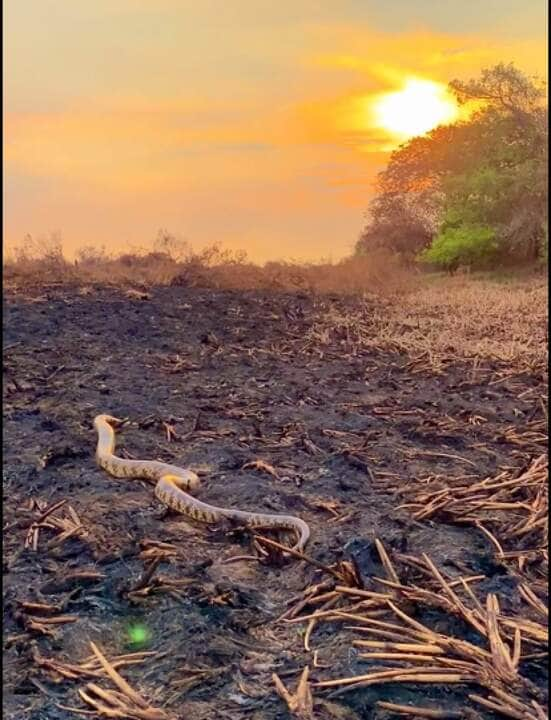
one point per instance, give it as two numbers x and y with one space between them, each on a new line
244 122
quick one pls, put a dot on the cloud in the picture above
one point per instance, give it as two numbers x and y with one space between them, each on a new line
373 55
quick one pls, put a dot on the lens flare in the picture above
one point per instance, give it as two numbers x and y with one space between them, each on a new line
420 106
138 635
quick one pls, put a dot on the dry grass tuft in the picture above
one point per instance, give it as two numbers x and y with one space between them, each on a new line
446 321
385 633
122 701
173 263
510 509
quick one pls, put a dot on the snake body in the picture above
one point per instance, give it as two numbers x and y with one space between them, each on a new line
172 484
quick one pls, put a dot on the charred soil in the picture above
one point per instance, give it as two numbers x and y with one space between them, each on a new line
217 381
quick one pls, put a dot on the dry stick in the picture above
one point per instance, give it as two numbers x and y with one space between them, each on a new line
422 629
472 596
538 633
313 621
420 565
412 675
410 657
423 634
419 594
58 620
405 647
119 660
240 558
101 709
446 455
499 708
49 511
467 614
490 537
74 515
432 713
299 703
389 568
373 606
533 600
464 580
63 536
503 662
438 678
455 664
147 575
121 710
299 555
107 695
75 710
34 529
376 631
119 681
316 599
64 669
517 641
40 608
541 715
308 597
362 593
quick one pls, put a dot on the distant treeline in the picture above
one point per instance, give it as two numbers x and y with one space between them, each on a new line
472 193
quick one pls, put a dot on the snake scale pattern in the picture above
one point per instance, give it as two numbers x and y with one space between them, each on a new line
173 484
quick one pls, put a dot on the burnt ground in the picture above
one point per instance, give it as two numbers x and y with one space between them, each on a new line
239 377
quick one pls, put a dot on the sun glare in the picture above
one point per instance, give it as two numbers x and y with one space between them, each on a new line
416 109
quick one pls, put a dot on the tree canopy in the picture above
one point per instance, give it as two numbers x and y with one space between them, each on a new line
474 192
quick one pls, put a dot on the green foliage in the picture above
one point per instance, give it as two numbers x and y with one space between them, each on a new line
481 196
461 245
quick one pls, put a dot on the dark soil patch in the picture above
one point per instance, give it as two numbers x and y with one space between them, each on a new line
234 377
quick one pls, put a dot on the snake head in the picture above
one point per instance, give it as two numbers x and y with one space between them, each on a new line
109 419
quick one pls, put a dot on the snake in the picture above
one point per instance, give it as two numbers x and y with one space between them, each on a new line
174 483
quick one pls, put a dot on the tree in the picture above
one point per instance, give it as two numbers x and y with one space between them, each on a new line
509 187
489 172
504 88
395 225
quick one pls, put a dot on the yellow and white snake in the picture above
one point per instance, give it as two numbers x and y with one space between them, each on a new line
173 482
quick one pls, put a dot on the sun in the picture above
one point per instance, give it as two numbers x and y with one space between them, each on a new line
417 108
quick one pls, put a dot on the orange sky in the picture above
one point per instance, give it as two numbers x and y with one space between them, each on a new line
232 122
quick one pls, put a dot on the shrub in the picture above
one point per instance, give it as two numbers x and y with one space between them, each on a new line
39 259
464 245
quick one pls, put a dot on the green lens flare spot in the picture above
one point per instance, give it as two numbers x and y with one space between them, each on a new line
138 635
